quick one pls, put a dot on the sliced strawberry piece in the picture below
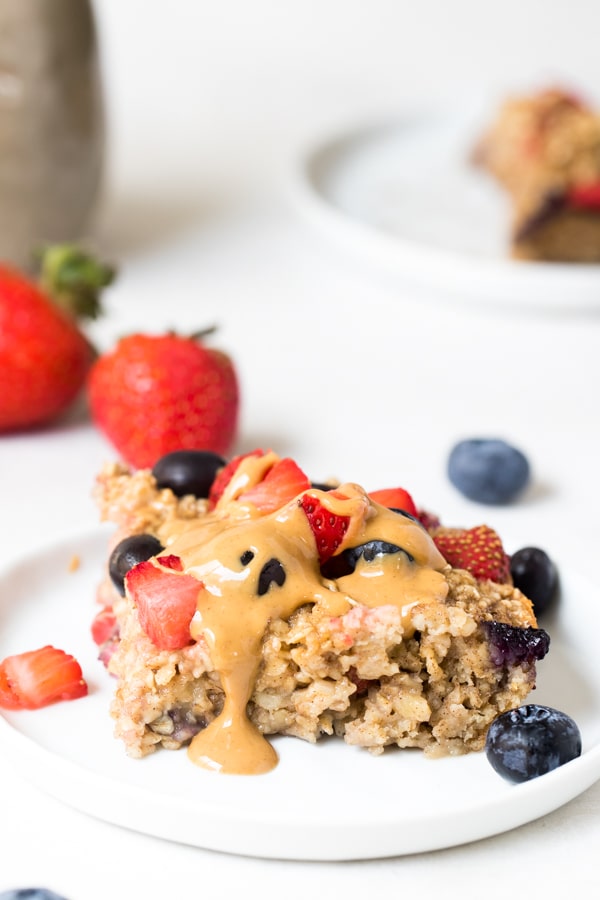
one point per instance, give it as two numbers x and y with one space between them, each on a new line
40 677
395 498
104 626
8 698
428 520
225 475
166 602
171 562
329 529
284 481
478 550
585 196
280 483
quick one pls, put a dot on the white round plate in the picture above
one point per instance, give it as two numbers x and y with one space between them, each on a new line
406 197
323 802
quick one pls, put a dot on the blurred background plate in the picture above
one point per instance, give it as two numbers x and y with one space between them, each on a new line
406 197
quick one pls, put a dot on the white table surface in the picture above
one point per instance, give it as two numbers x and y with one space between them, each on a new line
209 106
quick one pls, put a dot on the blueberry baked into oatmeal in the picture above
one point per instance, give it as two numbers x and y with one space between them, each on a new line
240 601
544 151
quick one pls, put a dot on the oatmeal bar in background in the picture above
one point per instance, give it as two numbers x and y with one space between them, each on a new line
544 151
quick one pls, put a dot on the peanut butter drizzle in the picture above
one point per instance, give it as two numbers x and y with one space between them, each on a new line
227 552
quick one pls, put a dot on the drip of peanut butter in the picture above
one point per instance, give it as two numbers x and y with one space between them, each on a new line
256 568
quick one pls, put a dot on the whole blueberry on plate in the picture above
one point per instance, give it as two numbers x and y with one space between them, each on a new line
488 470
30 894
534 573
532 740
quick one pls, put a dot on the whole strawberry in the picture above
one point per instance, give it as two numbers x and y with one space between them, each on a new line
44 356
154 394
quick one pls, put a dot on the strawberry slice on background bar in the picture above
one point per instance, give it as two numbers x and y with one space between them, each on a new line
584 197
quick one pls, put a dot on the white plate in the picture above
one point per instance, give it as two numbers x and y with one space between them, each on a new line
404 196
323 802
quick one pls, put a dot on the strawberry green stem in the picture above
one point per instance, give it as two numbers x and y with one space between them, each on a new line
74 280
204 332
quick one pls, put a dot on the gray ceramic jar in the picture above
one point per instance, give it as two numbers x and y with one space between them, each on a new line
51 124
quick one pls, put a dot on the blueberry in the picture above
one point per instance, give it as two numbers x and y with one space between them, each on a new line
513 646
185 724
488 470
128 553
407 515
30 894
188 471
371 549
321 486
345 563
534 573
530 741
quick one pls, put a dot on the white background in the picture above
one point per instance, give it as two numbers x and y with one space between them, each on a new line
210 106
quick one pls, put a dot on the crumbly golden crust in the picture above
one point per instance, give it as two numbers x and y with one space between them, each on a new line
568 236
364 675
550 133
